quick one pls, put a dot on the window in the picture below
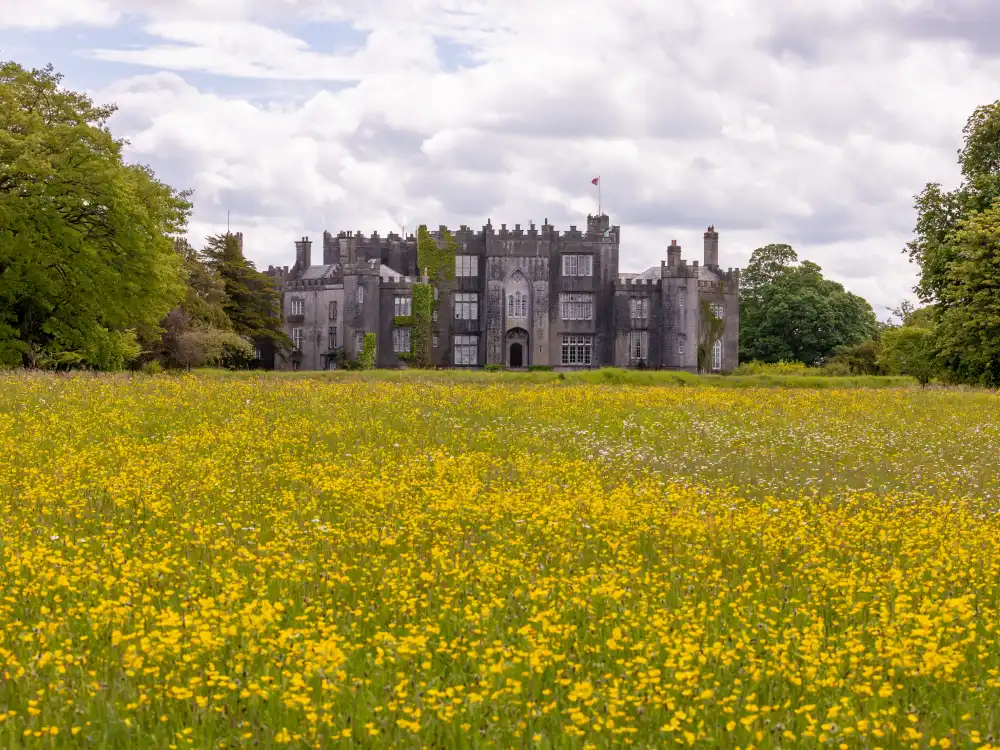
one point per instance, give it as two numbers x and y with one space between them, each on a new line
435 294
577 306
361 295
638 345
578 265
333 310
403 306
401 340
257 354
297 337
298 307
680 298
434 341
517 305
467 306
466 350
717 355
639 308
577 350
359 340
332 337
434 316
466 265
680 348
718 310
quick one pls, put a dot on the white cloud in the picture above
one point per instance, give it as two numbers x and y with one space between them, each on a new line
52 14
801 122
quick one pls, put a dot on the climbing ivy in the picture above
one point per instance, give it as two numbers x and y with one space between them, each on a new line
711 331
437 261
420 333
367 357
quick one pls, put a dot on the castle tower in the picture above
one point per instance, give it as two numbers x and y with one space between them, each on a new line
712 247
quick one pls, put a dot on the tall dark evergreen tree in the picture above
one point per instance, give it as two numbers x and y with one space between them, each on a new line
253 300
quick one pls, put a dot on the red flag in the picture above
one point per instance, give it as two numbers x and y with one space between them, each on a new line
595 180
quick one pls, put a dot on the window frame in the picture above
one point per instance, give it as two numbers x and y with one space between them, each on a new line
298 306
717 355
297 337
331 337
576 305
467 266
466 305
399 334
577 350
402 305
638 346
465 349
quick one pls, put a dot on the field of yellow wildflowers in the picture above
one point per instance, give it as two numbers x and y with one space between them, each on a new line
200 561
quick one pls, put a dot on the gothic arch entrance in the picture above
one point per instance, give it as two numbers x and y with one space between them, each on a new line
517 348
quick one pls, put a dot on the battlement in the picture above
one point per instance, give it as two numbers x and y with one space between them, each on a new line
375 240
626 282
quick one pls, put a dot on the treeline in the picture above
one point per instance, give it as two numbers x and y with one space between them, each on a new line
789 314
91 271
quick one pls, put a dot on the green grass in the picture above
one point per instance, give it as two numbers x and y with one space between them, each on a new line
603 376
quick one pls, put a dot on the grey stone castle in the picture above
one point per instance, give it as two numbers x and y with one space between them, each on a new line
519 298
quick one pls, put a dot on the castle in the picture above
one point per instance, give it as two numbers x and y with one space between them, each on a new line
516 298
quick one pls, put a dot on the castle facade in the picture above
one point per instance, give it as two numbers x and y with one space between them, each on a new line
518 298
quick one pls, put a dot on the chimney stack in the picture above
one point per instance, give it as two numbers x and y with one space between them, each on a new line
303 253
712 247
673 254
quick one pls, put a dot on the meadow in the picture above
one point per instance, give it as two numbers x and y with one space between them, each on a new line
264 561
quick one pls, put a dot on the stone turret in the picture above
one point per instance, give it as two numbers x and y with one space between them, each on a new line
712 247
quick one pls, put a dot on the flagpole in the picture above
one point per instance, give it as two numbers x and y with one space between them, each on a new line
598 195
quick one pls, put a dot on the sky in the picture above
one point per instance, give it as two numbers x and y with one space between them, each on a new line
813 124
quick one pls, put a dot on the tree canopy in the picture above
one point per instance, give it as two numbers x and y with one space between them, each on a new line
956 244
86 241
789 312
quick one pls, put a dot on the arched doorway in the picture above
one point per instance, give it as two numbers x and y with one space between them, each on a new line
517 348
516 355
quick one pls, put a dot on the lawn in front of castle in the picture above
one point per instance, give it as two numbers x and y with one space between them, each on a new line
462 561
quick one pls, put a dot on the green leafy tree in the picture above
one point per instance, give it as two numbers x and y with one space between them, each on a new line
252 299
909 350
797 315
86 248
767 265
968 331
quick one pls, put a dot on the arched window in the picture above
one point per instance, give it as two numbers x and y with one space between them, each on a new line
361 295
510 306
517 296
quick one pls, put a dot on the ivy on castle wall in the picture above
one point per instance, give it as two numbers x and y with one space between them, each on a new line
367 357
420 333
711 330
437 261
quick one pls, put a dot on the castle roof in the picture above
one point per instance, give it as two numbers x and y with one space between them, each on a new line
318 272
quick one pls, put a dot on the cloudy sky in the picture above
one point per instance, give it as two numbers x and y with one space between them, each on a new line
793 121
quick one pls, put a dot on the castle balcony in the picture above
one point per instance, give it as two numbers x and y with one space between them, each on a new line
295 319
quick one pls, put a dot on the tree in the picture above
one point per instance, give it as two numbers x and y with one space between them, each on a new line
791 313
909 350
253 301
969 327
766 265
86 249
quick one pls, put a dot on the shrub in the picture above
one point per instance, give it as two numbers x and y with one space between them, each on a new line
367 357
493 368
